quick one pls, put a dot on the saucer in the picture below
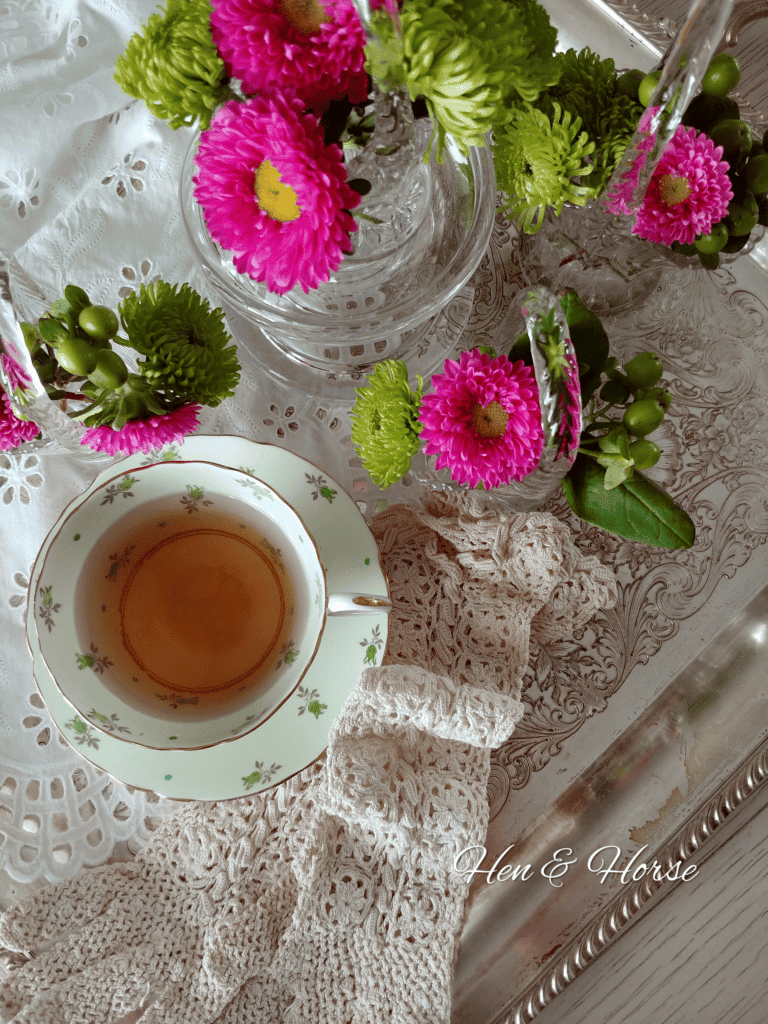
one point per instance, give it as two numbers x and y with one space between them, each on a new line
297 733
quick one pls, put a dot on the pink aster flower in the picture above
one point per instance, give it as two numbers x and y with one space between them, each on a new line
483 420
144 435
306 46
15 372
13 431
274 194
688 193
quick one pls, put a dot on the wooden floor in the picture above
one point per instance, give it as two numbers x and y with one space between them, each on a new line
700 956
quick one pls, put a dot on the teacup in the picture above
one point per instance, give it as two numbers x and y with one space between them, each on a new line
180 604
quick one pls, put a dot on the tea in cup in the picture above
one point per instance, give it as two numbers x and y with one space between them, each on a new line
190 601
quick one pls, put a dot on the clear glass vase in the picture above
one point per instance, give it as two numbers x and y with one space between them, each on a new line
561 425
592 249
60 433
594 253
428 227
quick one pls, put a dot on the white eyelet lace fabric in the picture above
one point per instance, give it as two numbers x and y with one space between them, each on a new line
89 195
334 897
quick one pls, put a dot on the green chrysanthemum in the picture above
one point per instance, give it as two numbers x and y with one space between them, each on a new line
586 86
385 428
472 60
186 349
535 160
521 38
174 66
587 89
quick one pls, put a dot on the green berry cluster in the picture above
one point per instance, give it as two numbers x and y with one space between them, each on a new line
71 350
621 446
716 114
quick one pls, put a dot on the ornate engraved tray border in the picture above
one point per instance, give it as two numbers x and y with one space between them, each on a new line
644 733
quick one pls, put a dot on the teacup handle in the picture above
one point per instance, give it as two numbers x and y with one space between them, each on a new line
358 604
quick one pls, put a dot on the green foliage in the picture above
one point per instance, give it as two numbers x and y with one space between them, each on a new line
540 164
384 56
536 160
173 65
473 60
637 509
604 486
590 342
186 348
385 425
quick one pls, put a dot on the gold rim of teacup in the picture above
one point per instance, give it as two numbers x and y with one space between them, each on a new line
227 739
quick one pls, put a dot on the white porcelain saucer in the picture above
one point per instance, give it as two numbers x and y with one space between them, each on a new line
297 733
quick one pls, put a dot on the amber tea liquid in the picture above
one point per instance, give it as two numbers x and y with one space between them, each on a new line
191 607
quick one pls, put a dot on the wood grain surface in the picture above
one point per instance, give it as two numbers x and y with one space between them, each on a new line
699 955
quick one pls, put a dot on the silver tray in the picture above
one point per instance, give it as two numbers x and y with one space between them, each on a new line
648 729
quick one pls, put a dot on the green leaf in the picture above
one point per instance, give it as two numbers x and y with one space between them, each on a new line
617 474
32 337
52 331
360 185
590 342
616 440
59 308
614 392
637 509
76 298
522 350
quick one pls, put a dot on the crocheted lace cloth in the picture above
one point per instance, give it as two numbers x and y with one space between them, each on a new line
334 897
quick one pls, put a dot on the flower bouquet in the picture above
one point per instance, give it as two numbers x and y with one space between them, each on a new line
283 93
555 409
709 192
309 117
315 121
685 173
176 357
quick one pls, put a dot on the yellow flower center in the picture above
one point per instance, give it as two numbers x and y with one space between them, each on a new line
673 190
274 197
490 421
305 15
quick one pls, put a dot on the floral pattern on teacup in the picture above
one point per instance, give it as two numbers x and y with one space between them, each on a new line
195 499
175 700
250 720
310 701
170 454
47 608
94 660
258 490
115 490
288 654
372 646
119 562
321 488
260 775
84 734
109 723
276 554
